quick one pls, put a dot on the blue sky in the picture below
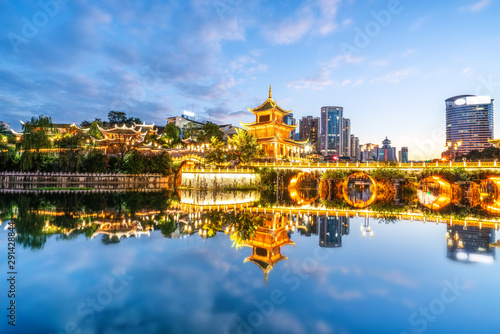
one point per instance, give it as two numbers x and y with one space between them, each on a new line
390 64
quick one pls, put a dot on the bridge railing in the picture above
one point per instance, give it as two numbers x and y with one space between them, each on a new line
408 165
361 165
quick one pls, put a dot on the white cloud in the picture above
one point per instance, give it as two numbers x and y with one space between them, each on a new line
317 17
395 76
317 82
358 82
380 62
408 53
476 7
348 59
418 23
468 71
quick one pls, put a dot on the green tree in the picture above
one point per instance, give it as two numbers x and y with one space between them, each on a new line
218 153
160 163
135 163
208 131
171 135
3 130
95 162
94 131
190 130
35 137
117 117
245 146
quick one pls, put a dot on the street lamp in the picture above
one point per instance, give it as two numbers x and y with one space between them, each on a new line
455 146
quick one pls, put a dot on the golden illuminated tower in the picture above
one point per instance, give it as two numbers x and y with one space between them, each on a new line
272 134
267 243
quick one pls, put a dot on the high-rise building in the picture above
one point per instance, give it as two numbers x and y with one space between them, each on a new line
290 120
309 130
354 153
368 152
331 131
346 137
386 152
403 155
469 123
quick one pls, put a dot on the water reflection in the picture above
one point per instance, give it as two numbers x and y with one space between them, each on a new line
359 190
434 193
113 217
470 244
179 250
489 194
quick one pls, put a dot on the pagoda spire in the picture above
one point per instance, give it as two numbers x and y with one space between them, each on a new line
270 94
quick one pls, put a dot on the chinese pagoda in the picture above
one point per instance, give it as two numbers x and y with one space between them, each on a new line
273 135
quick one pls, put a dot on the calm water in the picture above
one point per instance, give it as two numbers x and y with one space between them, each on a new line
75 274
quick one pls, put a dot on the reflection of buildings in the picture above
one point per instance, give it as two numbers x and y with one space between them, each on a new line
331 230
267 243
122 229
471 244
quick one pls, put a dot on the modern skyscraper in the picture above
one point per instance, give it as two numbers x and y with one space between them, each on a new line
369 152
290 120
331 131
346 137
403 155
469 123
354 153
309 130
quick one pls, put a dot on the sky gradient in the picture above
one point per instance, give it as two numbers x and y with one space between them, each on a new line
390 64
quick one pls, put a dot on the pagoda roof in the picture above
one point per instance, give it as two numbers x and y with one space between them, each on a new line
269 104
124 129
270 122
279 139
266 266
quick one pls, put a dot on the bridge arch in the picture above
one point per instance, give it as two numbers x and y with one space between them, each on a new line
303 188
359 190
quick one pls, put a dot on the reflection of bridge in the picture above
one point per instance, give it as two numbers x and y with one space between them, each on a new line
351 213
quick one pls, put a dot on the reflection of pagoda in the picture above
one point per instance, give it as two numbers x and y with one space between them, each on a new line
267 243
471 245
121 229
271 133
331 230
